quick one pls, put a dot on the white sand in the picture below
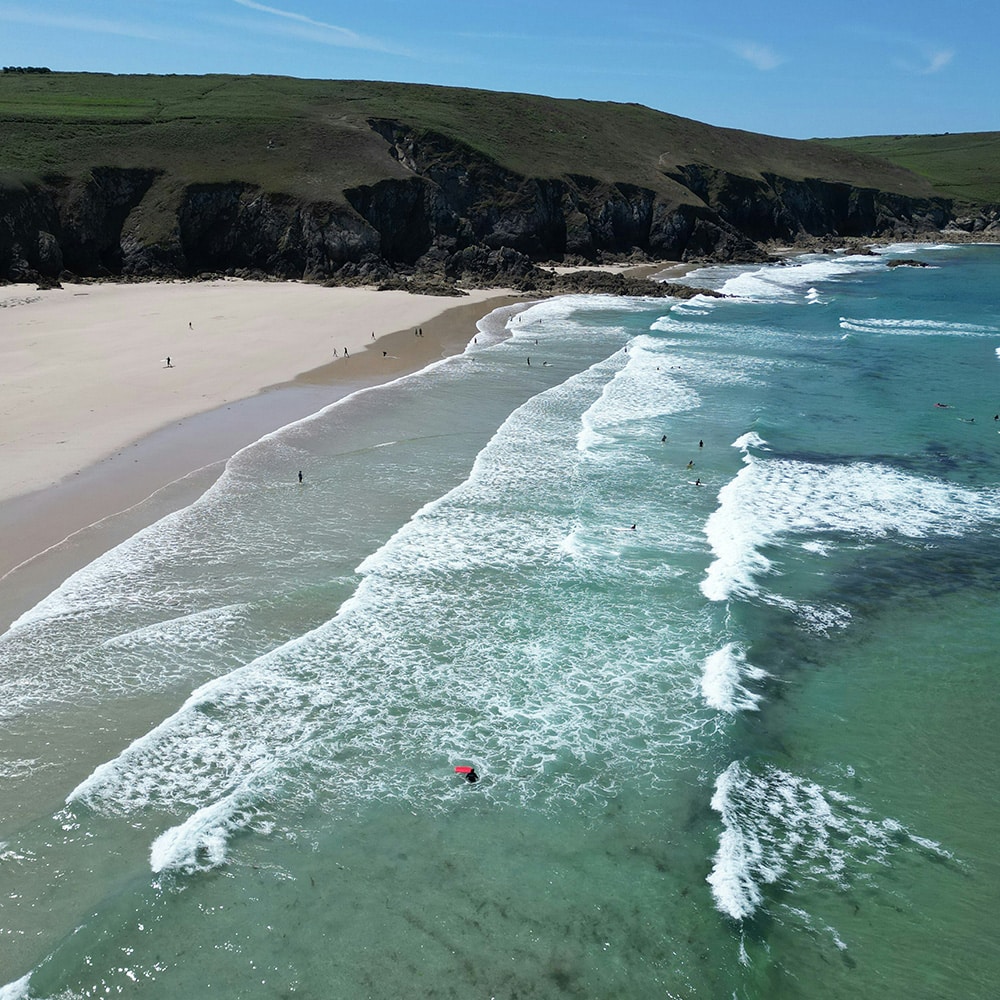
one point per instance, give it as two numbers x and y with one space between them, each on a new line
83 368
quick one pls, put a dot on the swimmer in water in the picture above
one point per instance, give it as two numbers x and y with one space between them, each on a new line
472 777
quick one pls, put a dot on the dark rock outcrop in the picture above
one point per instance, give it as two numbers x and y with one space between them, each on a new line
454 215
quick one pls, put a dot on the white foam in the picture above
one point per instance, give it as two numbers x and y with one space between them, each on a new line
777 826
698 305
17 990
817 547
738 860
791 282
641 391
418 668
199 843
916 328
770 499
723 674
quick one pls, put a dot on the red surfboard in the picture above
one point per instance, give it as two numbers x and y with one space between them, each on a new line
463 770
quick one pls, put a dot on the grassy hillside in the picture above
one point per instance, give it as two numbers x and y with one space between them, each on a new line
964 166
309 138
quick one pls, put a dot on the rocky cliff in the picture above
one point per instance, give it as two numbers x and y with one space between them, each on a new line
449 211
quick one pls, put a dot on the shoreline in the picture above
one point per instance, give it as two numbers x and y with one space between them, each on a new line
49 533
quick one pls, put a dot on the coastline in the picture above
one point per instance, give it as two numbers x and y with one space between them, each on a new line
48 533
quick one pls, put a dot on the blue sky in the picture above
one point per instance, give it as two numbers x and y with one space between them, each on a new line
786 67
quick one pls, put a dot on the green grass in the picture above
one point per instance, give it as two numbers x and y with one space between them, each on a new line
964 166
310 139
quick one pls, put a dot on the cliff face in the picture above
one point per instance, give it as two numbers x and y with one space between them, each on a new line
455 213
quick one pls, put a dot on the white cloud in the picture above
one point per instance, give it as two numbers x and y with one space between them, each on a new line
938 60
319 31
759 56
69 22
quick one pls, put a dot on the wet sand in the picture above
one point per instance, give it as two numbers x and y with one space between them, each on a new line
48 533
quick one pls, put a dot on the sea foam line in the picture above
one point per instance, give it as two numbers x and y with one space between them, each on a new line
723 673
417 667
771 498
778 827
916 327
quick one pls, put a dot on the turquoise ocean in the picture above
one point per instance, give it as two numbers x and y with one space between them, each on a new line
746 749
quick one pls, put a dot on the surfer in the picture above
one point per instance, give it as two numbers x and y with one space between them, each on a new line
468 772
697 482
691 464
300 475
662 439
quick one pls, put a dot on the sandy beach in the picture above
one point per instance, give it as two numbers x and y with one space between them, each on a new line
99 436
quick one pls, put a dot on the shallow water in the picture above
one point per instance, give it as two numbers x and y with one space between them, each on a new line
740 749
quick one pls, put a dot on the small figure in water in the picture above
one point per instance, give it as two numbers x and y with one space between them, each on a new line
701 444
472 777
632 528
169 365
697 482
662 439
529 362
691 464
300 475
